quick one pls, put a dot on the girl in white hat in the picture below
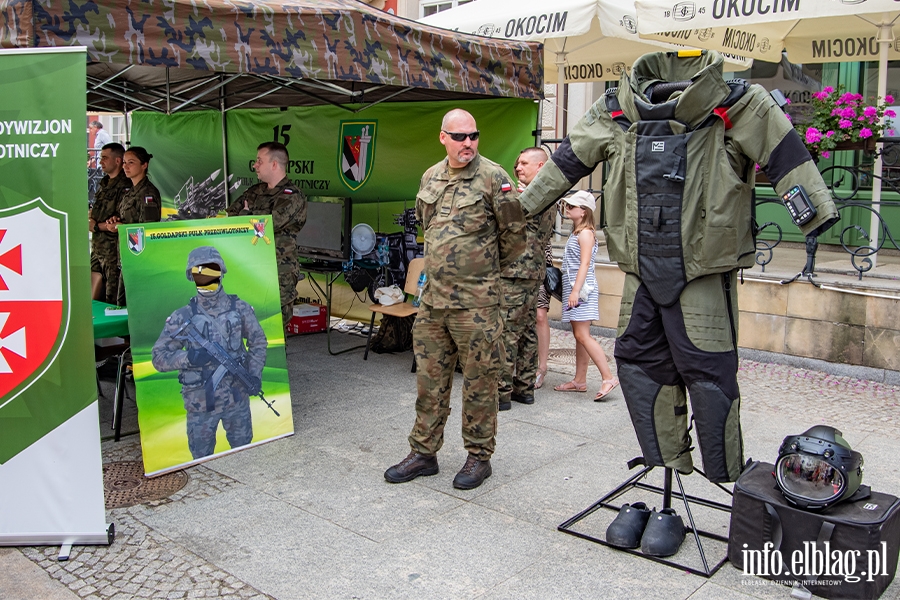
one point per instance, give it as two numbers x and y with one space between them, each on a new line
581 296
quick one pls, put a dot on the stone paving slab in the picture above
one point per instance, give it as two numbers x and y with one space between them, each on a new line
310 516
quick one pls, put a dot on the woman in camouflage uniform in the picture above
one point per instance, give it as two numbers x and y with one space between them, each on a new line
140 204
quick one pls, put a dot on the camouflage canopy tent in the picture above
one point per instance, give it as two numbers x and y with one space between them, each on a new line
175 55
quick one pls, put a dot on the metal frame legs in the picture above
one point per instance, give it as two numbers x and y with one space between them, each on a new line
635 481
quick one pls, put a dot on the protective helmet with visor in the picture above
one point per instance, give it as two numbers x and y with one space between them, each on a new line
817 468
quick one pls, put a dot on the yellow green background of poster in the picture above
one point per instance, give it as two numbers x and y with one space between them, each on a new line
157 285
187 147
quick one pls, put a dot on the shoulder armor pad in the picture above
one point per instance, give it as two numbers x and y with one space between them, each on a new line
738 89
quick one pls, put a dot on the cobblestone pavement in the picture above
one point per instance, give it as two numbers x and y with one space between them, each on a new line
143 563
765 386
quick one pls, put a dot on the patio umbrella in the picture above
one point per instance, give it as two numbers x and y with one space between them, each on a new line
811 32
585 40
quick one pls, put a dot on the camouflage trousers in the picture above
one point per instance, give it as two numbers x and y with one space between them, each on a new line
519 370
441 337
109 267
201 428
288 276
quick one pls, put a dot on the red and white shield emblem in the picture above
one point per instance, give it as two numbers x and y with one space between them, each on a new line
33 293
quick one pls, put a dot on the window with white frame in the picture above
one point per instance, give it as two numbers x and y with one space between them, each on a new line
428 8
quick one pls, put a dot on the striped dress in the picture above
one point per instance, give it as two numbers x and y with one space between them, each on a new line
587 311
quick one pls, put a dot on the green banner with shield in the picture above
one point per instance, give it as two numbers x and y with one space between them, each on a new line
207 338
376 155
46 371
51 486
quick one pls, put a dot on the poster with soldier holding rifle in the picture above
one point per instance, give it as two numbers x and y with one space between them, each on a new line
207 341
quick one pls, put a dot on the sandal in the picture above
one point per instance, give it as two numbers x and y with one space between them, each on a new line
612 383
539 379
571 386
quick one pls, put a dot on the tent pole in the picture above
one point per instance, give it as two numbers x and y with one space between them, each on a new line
885 40
168 94
224 146
540 122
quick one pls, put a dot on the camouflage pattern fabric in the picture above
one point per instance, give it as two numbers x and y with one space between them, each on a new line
287 205
228 321
201 428
474 228
140 204
441 338
337 40
519 368
521 280
531 264
105 244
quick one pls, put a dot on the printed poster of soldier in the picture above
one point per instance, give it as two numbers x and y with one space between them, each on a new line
207 340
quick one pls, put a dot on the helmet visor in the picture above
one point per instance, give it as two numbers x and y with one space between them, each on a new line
809 477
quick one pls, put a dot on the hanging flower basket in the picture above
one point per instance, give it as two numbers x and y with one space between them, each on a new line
844 121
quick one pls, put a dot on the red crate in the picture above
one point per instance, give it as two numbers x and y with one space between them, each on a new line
308 318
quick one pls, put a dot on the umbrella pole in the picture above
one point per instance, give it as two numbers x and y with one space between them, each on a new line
885 39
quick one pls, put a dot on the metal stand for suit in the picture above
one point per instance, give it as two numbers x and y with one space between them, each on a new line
635 481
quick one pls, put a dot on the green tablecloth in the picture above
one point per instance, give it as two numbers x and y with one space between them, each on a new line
106 326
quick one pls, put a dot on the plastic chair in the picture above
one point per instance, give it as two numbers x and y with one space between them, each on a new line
402 309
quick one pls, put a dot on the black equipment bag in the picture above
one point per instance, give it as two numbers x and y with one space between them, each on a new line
860 537
553 282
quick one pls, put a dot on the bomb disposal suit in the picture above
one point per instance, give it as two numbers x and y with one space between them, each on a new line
225 320
679 213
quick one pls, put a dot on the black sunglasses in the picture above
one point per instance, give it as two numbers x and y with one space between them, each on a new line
461 137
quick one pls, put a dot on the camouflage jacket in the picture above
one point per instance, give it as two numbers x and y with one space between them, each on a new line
679 195
531 264
474 228
140 204
287 205
226 320
106 200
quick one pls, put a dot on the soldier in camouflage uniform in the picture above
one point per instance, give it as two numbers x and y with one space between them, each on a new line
275 195
226 320
521 280
140 203
474 228
104 242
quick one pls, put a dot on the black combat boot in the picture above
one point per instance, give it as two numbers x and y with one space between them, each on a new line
523 398
411 467
473 473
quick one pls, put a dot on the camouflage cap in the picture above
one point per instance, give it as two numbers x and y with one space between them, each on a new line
204 255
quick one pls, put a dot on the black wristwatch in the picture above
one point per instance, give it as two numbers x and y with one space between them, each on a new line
96 227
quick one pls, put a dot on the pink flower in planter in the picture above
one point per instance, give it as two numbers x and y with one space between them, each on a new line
826 154
865 132
813 135
845 123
